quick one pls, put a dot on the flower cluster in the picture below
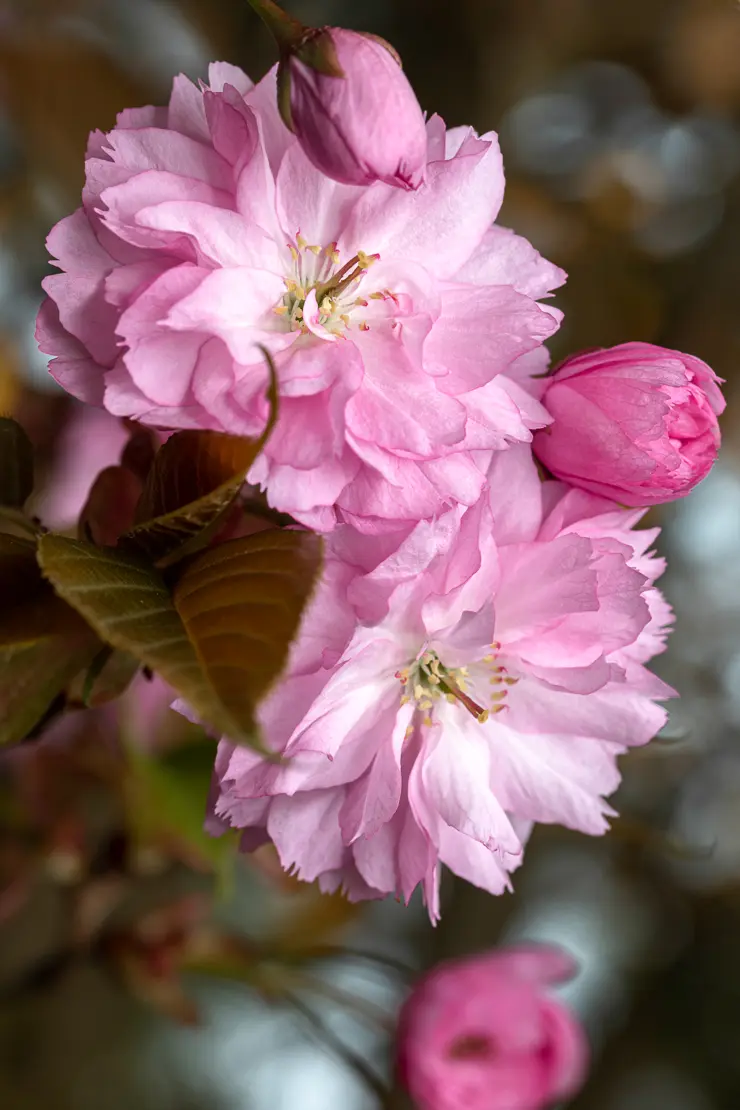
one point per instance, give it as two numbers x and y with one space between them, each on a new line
473 660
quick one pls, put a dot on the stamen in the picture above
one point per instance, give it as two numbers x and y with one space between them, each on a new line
451 687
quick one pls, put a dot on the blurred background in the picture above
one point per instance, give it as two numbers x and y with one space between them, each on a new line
620 125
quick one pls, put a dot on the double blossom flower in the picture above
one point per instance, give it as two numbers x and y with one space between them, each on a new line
392 314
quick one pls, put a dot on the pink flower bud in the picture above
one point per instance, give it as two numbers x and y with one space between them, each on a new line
636 423
365 126
482 1034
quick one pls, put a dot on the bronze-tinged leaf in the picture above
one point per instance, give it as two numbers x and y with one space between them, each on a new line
241 603
138 454
16 464
195 478
110 506
33 675
30 610
128 604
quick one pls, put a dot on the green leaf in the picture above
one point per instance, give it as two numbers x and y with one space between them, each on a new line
241 603
195 479
33 675
129 605
16 464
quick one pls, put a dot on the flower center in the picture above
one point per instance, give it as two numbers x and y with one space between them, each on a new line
427 680
317 269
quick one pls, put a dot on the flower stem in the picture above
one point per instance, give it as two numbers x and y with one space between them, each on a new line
287 31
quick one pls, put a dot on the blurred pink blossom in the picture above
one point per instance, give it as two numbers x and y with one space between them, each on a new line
636 423
484 1034
366 126
91 440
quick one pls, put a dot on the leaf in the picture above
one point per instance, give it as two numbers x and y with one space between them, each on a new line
195 478
128 604
43 642
29 608
33 675
110 506
16 464
241 603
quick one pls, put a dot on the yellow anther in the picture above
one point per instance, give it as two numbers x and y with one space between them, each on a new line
418 691
365 261
345 319
294 253
364 326
405 699
280 310
300 292
499 696
483 717
425 704
511 681
377 296
498 709
290 285
302 244
314 250
427 721
409 732
327 306
434 679
488 658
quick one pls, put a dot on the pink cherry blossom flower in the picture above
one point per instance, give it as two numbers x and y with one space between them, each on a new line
496 673
394 317
483 1033
636 423
366 126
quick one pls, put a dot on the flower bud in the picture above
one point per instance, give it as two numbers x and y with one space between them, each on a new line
363 127
636 423
482 1034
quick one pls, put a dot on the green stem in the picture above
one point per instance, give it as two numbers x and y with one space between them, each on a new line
287 31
